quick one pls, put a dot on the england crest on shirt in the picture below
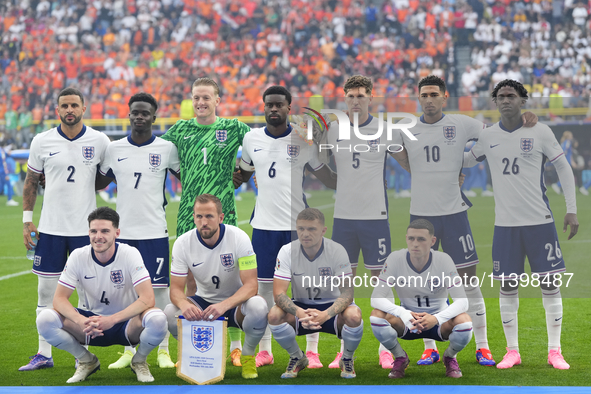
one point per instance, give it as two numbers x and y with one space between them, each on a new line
227 260
527 144
221 135
155 159
324 271
202 338
88 152
293 151
449 132
117 277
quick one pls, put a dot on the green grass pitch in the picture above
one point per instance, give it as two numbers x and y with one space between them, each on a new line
19 337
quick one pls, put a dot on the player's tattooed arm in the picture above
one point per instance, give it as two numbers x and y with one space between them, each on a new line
29 198
344 300
286 304
402 159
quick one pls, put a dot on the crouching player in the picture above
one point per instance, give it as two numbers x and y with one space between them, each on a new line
223 263
116 288
310 263
423 279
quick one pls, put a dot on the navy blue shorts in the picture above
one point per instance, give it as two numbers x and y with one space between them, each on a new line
329 326
116 335
230 313
52 252
370 236
266 245
156 256
539 243
456 238
433 333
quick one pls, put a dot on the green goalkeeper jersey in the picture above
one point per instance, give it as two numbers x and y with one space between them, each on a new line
208 158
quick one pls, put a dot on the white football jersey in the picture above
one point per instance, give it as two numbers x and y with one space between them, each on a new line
279 163
216 269
516 160
106 288
424 291
436 160
70 168
361 166
141 172
311 279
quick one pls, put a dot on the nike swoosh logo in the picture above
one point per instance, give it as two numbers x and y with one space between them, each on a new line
380 260
555 264
121 159
298 274
89 277
492 146
191 136
157 279
53 154
254 328
480 314
197 265
256 150
558 318
507 322
339 140
416 134
467 257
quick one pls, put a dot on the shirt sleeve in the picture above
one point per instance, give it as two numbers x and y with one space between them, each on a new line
243 128
174 162
477 153
245 252
170 134
342 263
105 165
36 162
473 127
456 291
69 276
245 161
139 272
179 265
550 145
283 265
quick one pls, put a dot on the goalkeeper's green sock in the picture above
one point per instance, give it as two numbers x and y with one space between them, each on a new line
235 335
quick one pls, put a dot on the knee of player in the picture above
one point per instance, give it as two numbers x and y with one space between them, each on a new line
276 316
256 306
352 316
378 313
155 319
48 319
462 318
171 312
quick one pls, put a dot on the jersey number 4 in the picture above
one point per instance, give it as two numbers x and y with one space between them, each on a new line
104 299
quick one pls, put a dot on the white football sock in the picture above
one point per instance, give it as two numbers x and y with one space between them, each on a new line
552 300
351 337
45 291
130 348
509 305
429 343
477 312
50 326
171 312
312 342
162 300
460 336
387 335
286 337
154 323
255 313
266 291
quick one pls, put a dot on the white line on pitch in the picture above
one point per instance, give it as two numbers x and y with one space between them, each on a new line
14 275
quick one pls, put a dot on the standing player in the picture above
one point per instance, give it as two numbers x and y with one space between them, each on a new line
281 157
436 161
424 279
361 203
524 225
68 156
140 163
207 147
310 263
222 260
118 298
